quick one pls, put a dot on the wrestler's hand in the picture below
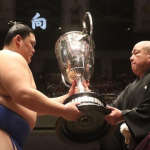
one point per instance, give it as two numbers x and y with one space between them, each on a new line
72 88
114 117
71 111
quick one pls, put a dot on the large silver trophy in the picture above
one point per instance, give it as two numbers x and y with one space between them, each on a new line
74 52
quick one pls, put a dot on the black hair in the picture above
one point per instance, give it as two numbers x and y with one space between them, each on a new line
17 28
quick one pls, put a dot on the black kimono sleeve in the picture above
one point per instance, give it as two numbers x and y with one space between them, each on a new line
138 120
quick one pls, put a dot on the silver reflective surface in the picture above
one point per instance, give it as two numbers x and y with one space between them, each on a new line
75 56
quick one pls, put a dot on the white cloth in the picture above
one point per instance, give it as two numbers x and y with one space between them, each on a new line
126 133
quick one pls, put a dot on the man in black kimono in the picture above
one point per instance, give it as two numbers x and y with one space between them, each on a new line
133 105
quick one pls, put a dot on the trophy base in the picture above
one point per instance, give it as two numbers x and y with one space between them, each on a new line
91 127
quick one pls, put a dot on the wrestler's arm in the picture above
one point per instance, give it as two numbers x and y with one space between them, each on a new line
59 99
73 90
15 78
62 98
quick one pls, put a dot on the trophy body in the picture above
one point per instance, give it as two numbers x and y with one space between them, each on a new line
75 54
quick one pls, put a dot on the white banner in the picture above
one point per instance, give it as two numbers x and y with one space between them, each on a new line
7 13
142 16
72 14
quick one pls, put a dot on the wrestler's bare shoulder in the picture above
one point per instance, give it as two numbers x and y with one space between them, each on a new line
7 52
9 55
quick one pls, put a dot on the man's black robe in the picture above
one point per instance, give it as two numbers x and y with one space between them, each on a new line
134 102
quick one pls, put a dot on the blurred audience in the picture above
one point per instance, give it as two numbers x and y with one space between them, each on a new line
108 88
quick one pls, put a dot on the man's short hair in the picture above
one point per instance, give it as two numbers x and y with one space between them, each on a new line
17 29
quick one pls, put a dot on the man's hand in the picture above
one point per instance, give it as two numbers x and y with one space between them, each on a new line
71 111
114 117
72 88
85 85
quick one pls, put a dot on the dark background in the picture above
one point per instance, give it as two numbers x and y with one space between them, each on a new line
112 20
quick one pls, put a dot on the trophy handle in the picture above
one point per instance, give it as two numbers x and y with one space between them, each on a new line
85 31
63 79
87 14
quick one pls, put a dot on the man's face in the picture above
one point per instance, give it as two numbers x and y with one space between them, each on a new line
139 60
27 47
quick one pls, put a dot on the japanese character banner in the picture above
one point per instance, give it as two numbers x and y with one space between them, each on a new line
39 20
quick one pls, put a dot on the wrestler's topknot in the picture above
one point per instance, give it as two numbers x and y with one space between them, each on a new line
17 28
